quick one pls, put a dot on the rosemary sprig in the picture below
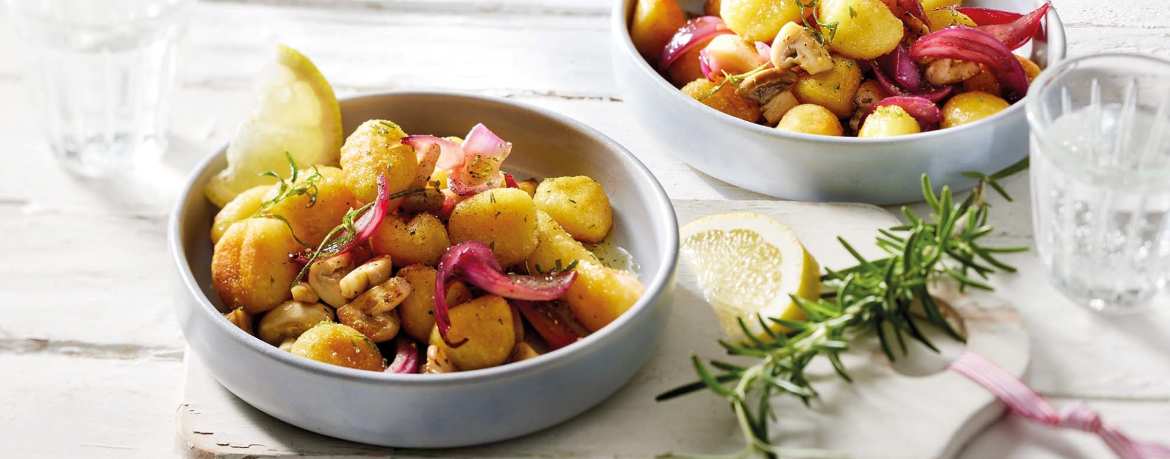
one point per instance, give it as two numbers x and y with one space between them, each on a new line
882 297
287 189
734 80
291 187
816 31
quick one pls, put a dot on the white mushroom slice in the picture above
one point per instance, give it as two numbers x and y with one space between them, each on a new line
303 292
796 46
373 272
325 278
950 71
284 324
522 351
437 362
373 313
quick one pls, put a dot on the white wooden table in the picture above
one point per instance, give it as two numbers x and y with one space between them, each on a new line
91 357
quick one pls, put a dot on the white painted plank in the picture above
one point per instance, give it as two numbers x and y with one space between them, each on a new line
56 406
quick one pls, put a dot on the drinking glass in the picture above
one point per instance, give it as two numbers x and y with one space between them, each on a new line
101 71
1101 178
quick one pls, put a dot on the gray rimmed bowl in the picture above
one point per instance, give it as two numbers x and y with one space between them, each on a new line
808 167
458 409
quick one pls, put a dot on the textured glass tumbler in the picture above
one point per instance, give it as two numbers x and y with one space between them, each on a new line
101 71
1101 178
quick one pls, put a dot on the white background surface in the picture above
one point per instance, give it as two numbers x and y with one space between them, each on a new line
91 357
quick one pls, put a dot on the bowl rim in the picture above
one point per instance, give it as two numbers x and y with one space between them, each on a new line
623 9
656 288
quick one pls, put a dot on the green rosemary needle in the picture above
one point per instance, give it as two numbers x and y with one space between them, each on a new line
879 297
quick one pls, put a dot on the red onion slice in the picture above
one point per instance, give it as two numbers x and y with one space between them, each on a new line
922 109
976 46
1016 33
690 35
474 262
705 64
899 64
555 331
483 153
450 153
985 16
510 181
405 356
914 7
934 94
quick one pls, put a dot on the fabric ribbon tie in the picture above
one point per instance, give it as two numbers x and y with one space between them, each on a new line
1027 403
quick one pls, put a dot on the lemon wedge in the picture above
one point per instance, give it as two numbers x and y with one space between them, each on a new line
294 111
748 265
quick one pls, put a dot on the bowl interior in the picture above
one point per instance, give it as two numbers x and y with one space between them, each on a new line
545 145
1045 49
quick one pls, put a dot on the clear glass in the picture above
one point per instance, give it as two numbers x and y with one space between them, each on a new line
101 72
1101 178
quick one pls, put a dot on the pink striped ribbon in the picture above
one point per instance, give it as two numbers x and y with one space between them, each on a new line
1026 402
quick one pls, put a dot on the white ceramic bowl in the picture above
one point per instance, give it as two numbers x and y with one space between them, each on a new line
819 168
459 409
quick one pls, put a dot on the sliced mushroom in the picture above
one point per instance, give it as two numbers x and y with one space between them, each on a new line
240 318
281 326
373 272
372 313
796 46
304 293
950 71
777 106
437 362
522 351
325 278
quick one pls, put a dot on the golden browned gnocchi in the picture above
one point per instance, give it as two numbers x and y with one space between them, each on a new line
554 247
810 119
487 326
311 218
724 100
578 204
889 121
422 239
418 310
865 29
654 22
503 218
759 20
243 206
251 268
337 344
942 18
969 107
601 294
374 149
833 89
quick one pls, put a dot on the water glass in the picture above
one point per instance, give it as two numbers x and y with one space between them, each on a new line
1101 178
101 71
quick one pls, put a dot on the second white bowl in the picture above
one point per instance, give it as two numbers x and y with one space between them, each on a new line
820 168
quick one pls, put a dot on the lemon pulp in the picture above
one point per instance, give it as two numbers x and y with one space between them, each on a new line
748 266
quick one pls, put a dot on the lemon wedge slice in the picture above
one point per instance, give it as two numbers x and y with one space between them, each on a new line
748 265
294 111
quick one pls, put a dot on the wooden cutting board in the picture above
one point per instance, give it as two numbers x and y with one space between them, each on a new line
885 413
